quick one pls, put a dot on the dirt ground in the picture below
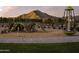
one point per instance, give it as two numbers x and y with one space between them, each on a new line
33 34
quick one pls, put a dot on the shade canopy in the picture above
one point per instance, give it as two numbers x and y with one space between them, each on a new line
69 8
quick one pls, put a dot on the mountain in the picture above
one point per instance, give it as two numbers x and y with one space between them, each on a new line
36 14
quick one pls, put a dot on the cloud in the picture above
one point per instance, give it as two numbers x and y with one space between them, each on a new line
10 11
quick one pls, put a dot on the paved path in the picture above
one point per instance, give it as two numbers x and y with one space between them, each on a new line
41 40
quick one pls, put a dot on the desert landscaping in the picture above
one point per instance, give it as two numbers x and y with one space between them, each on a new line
32 35
39 31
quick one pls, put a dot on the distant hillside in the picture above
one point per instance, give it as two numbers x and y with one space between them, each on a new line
36 14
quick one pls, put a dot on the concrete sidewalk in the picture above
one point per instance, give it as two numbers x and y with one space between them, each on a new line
41 40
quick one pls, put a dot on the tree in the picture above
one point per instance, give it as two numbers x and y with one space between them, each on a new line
48 21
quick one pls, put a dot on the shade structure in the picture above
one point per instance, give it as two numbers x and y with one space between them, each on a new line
69 17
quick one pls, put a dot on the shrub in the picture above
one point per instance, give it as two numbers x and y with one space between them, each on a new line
77 28
3 31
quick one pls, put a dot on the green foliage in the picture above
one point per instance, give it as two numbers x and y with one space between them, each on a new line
61 21
77 28
41 47
31 27
6 20
19 27
69 33
48 21
69 8
3 31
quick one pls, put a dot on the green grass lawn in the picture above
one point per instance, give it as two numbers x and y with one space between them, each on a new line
40 48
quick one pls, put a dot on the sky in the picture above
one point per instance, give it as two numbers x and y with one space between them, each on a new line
14 11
